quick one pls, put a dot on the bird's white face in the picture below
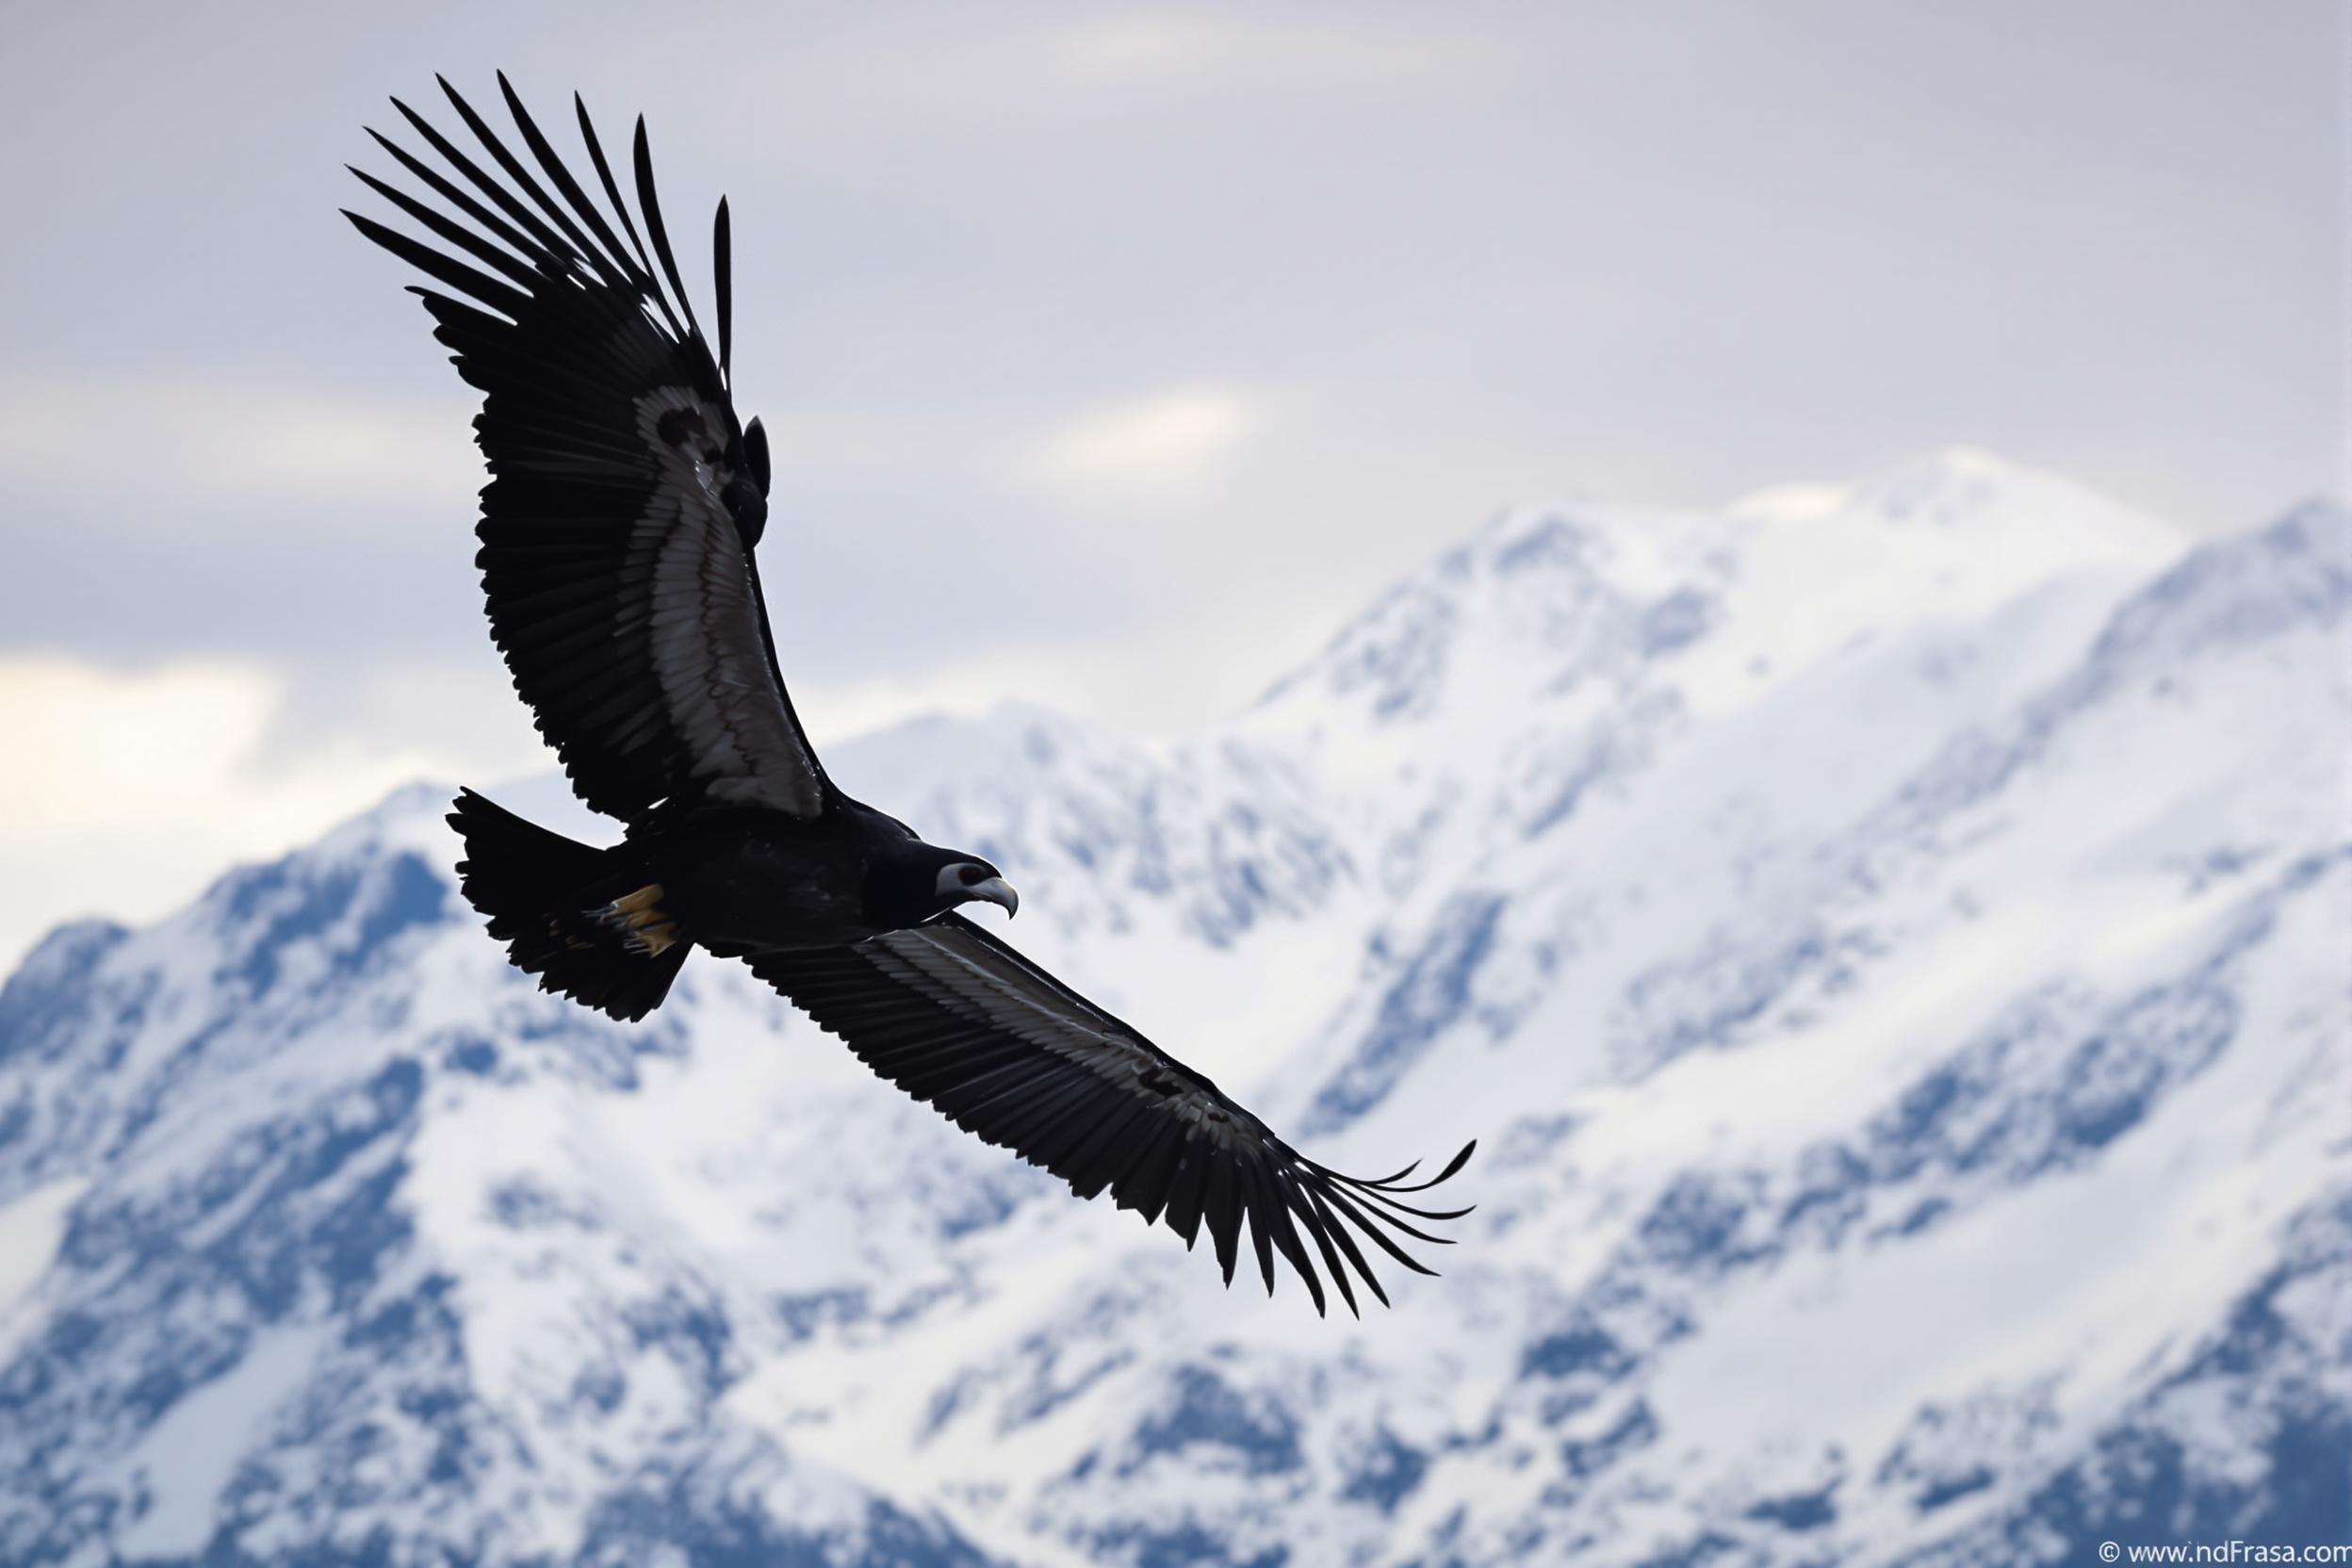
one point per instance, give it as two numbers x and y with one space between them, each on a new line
969 881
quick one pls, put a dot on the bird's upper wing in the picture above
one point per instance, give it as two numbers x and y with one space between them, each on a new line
624 498
957 1018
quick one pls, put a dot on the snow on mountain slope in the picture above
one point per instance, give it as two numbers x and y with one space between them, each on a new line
1893 948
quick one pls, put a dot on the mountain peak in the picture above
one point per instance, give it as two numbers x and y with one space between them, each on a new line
1543 595
1945 486
2296 571
1533 601
1966 487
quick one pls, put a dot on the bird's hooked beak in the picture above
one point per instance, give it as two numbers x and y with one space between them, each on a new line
997 890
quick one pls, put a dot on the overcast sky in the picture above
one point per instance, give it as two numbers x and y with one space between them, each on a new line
1111 355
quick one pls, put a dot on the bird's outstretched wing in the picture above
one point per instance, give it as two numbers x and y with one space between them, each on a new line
624 498
957 1018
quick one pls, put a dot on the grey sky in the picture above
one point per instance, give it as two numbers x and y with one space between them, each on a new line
1112 353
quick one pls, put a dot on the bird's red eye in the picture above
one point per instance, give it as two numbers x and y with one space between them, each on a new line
973 875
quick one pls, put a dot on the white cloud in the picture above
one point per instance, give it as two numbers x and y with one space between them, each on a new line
1162 446
1118 45
132 789
234 440
1355 54
145 785
1147 681
1079 678
1795 503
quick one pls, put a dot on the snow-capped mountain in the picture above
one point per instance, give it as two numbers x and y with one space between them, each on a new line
1895 945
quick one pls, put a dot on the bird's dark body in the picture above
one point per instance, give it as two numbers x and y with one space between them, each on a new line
752 881
619 573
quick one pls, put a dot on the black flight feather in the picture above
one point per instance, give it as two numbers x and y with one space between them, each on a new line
571 187
512 237
545 243
1068 1087
722 276
575 244
650 204
620 208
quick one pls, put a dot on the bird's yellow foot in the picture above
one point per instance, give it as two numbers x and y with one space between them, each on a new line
639 917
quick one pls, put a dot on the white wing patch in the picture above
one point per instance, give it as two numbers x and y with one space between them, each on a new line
708 651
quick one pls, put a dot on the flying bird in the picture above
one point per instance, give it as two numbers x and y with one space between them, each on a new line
619 536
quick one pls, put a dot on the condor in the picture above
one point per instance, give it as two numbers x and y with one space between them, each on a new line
618 531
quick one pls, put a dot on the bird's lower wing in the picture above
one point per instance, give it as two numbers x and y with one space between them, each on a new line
965 1023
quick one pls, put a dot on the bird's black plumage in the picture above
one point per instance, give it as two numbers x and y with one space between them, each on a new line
617 531
617 534
957 1017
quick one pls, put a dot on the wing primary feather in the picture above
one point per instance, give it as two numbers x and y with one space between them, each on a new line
1389 1180
578 244
620 209
459 276
1381 1203
1221 1210
1253 1200
1377 1228
1347 1245
650 202
1392 1183
545 151
1301 1203
443 188
455 233
1286 1236
723 270
550 244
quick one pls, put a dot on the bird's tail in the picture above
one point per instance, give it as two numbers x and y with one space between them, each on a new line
556 905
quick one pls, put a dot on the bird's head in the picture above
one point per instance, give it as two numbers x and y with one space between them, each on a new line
921 882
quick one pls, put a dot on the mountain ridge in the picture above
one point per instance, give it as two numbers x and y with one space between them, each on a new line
1925 1004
